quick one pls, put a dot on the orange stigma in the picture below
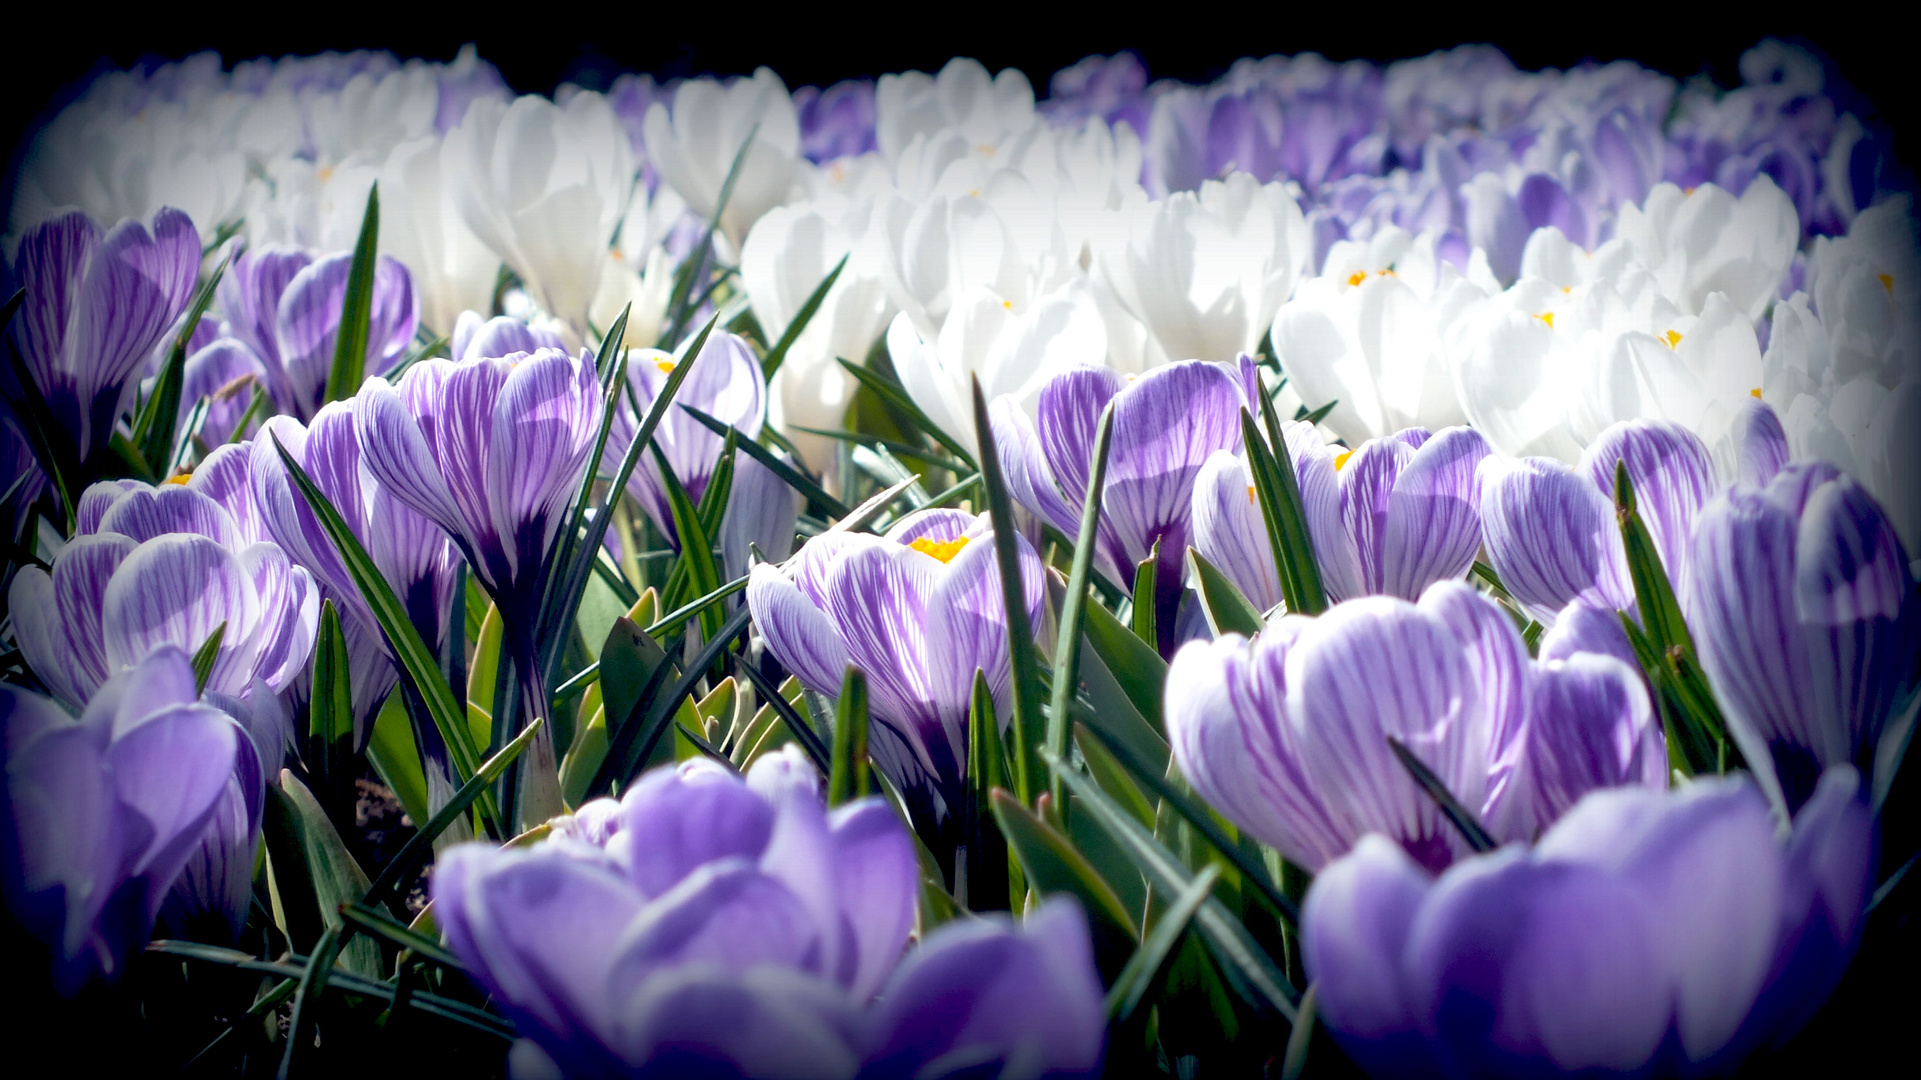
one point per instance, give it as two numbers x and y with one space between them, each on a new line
944 550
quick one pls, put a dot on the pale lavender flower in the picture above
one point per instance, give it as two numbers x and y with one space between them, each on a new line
920 611
836 122
1112 88
97 301
1166 423
476 338
1647 933
1392 517
708 923
1551 531
152 567
1287 735
103 812
1807 623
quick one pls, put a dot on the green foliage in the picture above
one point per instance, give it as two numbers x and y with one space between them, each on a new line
356 310
848 779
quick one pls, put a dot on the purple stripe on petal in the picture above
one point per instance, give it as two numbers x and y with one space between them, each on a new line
249 297
800 635
97 500
226 477
173 590
1229 530
54 256
877 595
145 513
172 771
967 614
1433 526
1320 486
501 335
1029 478
1551 535
399 455
1582 627
1673 476
1760 445
544 424
1069 414
137 283
935 523
1367 479
1166 423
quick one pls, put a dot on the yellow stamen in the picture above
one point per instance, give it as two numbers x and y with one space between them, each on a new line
326 173
1389 272
1887 282
178 478
944 550
1756 392
666 366
1546 317
1673 338
1250 495
1357 277
1567 288
1008 304
1341 459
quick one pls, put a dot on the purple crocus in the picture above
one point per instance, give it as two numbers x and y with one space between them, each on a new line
709 923
1393 516
492 451
410 551
103 812
1807 622
283 305
1551 531
97 302
475 337
1166 423
1112 88
836 122
1287 735
152 567
1648 933
920 610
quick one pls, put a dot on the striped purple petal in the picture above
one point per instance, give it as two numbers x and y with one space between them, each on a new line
1672 474
802 638
144 513
1433 521
1551 536
1229 530
57 617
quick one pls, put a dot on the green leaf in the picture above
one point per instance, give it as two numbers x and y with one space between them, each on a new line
801 318
848 779
1026 679
634 744
1053 865
633 668
430 347
696 546
1294 1060
1279 496
900 449
1149 963
356 308
330 708
1660 611
313 984
1067 646
391 750
483 676
797 725
205 656
1251 970
1462 818
332 877
1134 664
1228 611
1142 622
376 922
153 429
1199 818
789 475
418 665
895 395
980 866
394 874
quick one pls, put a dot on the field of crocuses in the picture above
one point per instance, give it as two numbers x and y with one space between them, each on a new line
1403 569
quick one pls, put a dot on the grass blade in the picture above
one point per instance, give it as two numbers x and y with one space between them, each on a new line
1137 668
206 654
801 318
1142 620
1462 818
1053 865
356 308
1148 964
153 432
1067 646
1020 635
1279 494
797 724
696 547
1228 611
848 779
791 476
896 395
313 983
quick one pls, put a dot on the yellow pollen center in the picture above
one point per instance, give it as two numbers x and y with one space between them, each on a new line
1546 317
1756 393
1567 288
1357 278
1673 338
666 366
944 550
1887 282
179 478
1008 304
1250 495
1341 459
326 173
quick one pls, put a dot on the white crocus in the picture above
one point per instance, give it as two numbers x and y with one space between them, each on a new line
1206 271
942 249
1011 348
544 186
1707 241
790 252
695 145
984 110
453 270
639 274
1367 334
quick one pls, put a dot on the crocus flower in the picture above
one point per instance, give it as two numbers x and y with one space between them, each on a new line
97 302
920 611
836 122
1205 271
475 338
1166 423
1807 622
1287 734
410 551
283 305
152 567
1551 531
985 109
104 811
1393 516
1648 933
694 146
708 923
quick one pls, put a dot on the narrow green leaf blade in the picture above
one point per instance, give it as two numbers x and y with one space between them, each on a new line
848 779
896 395
1142 622
356 310
801 318
1435 788
1026 679
1145 967
1228 611
153 429
1067 646
206 654
1135 665
1053 865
